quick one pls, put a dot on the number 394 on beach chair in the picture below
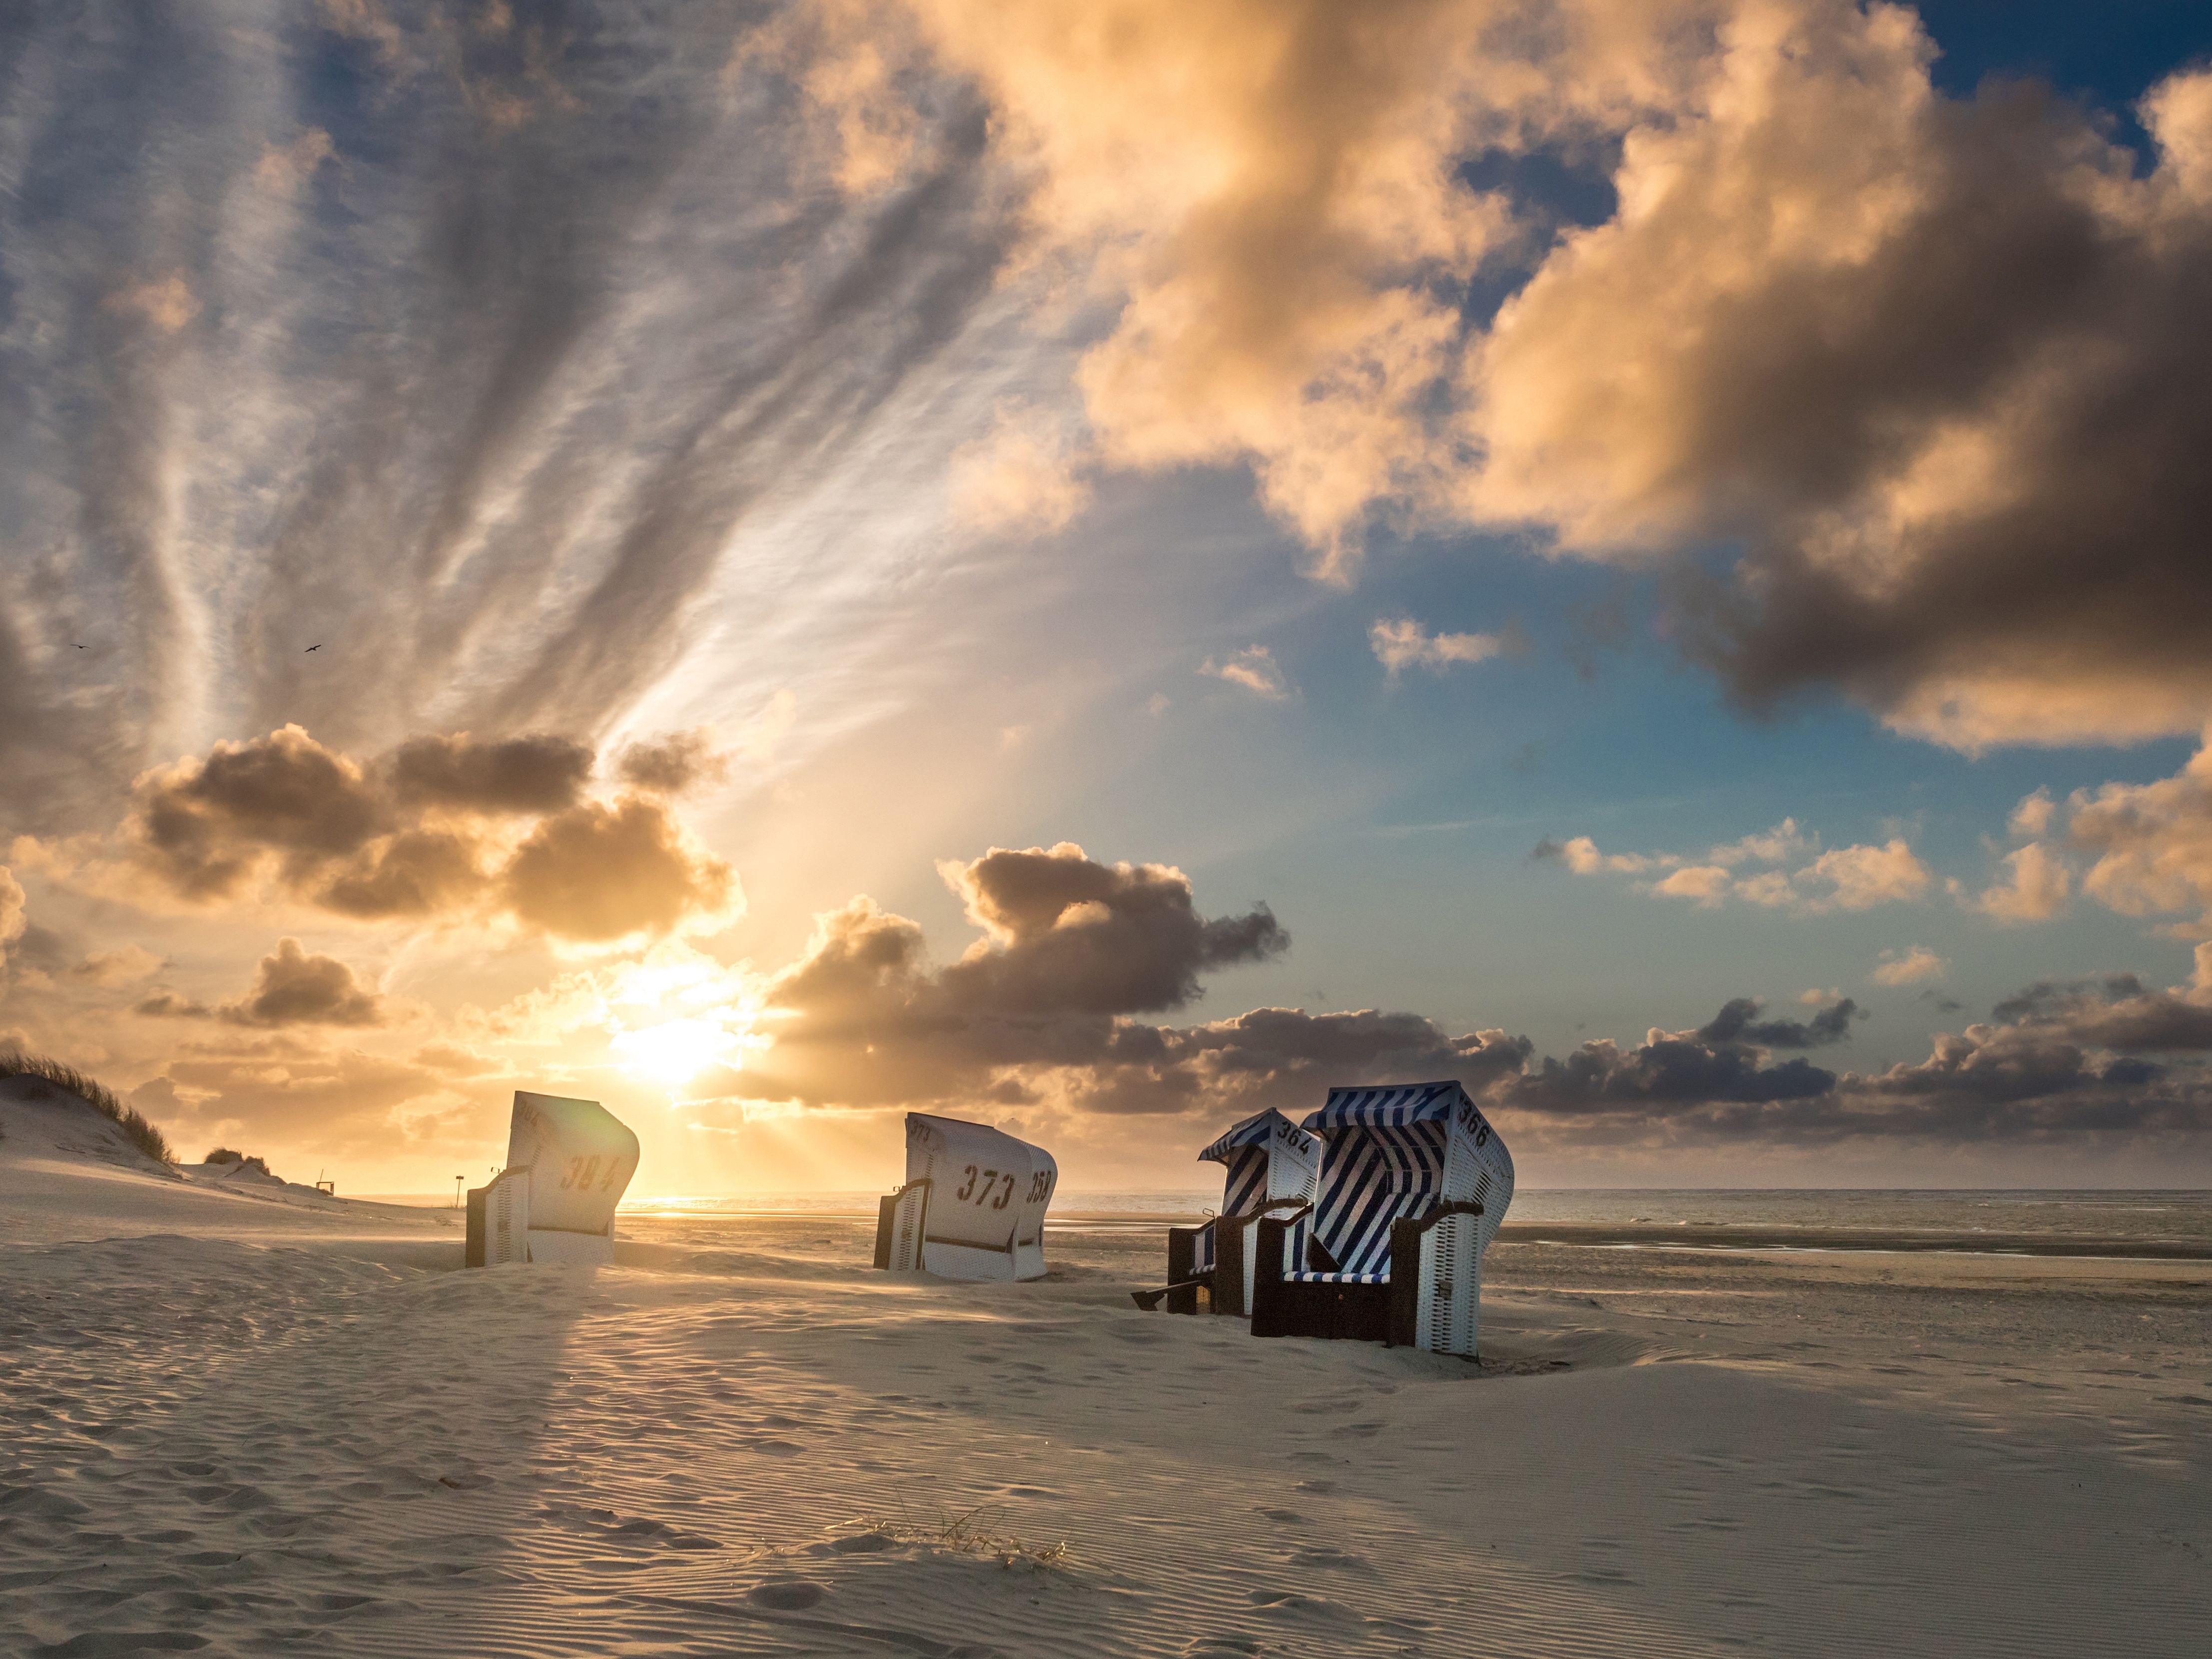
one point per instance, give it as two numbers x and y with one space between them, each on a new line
1270 1168
1414 1184
568 1163
973 1206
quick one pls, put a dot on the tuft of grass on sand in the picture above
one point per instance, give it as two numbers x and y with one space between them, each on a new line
964 1534
14 1063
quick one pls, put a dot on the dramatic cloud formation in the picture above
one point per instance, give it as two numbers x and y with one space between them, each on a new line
2118 1012
292 988
475 357
1915 352
1843 878
441 828
1405 644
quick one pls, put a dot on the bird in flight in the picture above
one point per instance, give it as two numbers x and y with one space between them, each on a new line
312 648
78 647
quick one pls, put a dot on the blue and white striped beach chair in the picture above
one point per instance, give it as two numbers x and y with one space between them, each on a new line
1271 1167
1415 1182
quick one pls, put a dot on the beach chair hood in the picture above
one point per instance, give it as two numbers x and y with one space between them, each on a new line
1397 1150
1266 1158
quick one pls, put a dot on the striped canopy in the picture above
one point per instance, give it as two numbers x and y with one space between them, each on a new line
1393 1106
1256 1130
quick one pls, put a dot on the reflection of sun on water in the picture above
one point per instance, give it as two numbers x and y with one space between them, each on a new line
672 1052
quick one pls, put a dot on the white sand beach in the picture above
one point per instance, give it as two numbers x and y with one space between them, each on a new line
265 1422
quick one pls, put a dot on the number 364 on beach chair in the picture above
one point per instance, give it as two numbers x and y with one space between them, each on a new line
1271 1167
973 1206
1414 1184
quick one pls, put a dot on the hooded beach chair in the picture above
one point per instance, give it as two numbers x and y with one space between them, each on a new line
568 1163
973 1206
1271 1167
1414 1184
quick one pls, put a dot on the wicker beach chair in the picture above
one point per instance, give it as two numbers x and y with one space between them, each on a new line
1270 1167
1415 1182
568 1163
973 1205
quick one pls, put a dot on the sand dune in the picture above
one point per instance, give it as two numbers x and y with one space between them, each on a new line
231 1428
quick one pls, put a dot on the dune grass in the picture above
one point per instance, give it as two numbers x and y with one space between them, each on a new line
964 1534
14 1063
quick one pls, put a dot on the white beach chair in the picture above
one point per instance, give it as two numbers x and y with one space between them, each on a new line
973 1205
1415 1182
568 1163
1270 1166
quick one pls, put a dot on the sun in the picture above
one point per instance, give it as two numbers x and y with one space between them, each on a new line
672 1052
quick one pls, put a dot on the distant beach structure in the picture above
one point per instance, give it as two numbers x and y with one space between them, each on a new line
973 1205
1415 1182
1271 1167
568 1163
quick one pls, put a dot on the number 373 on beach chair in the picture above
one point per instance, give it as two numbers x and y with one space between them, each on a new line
1414 1184
973 1206
1271 1167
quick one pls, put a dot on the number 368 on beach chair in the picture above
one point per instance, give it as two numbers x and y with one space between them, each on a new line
973 1206
1271 1167
1414 1184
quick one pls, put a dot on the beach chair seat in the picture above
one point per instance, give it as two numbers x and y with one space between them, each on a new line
1414 1184
1270 1167
973 1205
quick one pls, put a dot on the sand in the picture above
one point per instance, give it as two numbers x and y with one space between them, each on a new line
231 1425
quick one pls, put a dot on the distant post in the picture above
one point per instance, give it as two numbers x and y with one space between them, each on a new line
458 1182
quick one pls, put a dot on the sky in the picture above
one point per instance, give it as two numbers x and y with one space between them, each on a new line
1100 568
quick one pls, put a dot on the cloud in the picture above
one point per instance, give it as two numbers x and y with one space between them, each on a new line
349 1102
284 168
1784 336
1910 967
1856 877
2034 889
2117 1012
165 302
443 827
1020 477
759 738
2032 816
593 410
1068 934
1738 1021
14 919
598 872
676 764
1254 668
125 966
1860 877
540 773
1404 644
1975 514
291 987
2151 842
